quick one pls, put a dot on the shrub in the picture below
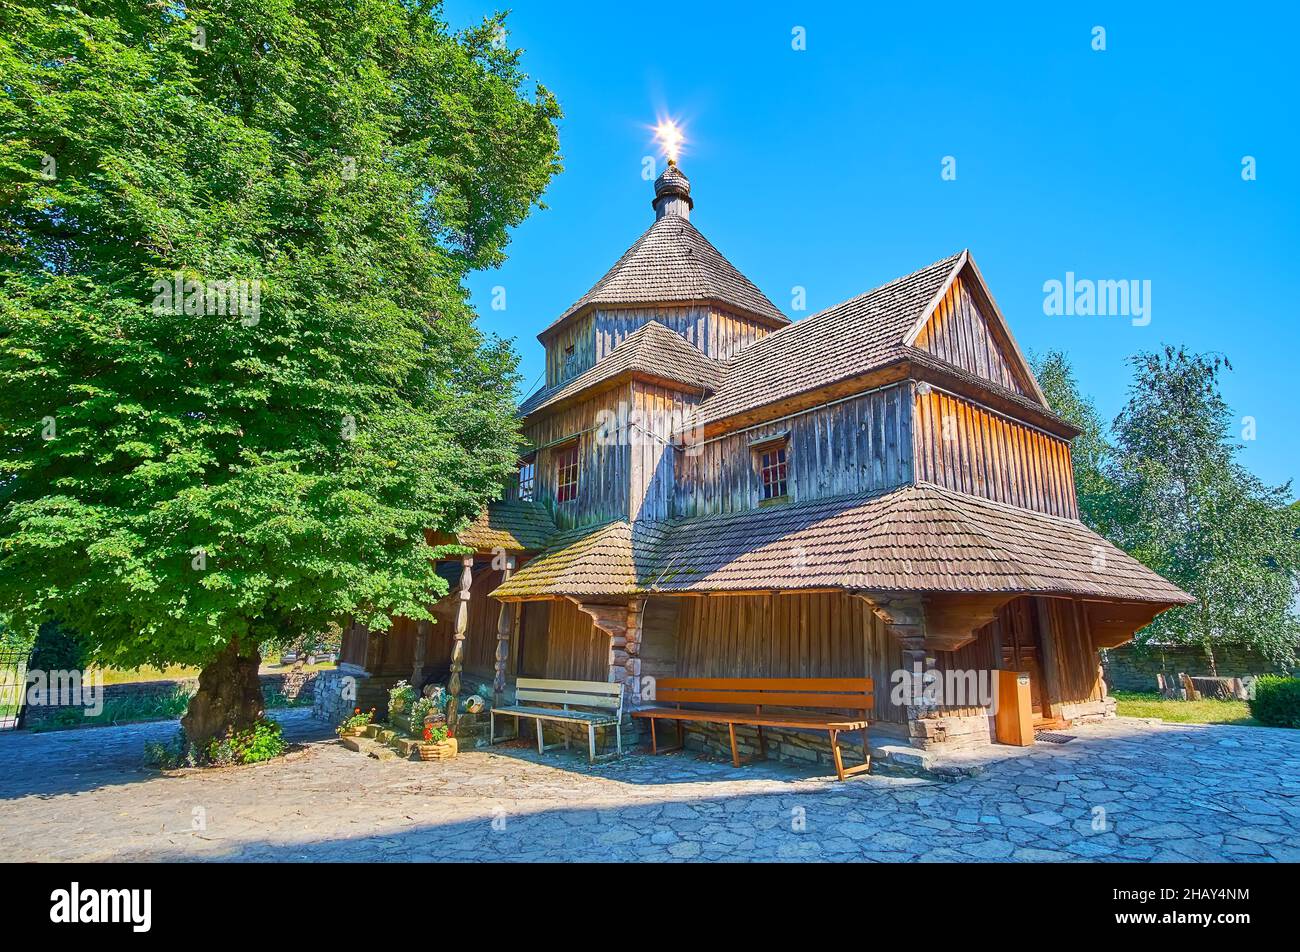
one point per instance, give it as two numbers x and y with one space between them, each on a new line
421 709
260 742
1277 701
179 753
400 699
58 648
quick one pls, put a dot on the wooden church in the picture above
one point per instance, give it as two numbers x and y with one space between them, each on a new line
713 491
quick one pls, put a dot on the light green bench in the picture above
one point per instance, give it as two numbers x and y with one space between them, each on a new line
594 703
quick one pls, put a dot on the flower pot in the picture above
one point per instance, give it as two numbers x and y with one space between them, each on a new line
443 750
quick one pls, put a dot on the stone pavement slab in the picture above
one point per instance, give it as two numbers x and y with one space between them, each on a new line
1125 790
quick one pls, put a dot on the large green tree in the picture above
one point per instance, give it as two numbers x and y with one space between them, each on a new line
1189 509
1090 451
184 477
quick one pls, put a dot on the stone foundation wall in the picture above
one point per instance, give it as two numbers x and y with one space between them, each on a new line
951 732
1130 668
1086 712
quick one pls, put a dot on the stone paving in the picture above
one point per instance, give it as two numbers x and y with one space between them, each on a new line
1123 791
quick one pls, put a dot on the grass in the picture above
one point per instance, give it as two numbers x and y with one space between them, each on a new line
1133 704
178 672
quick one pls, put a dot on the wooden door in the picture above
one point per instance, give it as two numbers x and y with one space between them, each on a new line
1022 651
534 626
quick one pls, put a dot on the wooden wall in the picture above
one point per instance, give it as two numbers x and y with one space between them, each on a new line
481 631
813 635
959 333
604 472
714 331
971 449
1071 667
576 649
856 445
579 334
660 412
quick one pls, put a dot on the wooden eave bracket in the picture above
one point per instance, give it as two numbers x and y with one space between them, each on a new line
609 618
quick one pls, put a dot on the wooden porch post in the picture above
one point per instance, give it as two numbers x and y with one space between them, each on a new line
458 640
422 631
505 628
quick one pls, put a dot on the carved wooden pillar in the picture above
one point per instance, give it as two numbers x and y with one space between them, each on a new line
505 628
458 640
422 631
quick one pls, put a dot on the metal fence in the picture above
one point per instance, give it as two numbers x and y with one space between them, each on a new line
13 684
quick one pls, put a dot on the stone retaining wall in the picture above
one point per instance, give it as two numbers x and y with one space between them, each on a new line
34 715
1130 668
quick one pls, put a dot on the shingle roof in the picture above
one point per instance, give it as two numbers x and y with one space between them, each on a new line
672 262
651 349
918 538
859 335
609 559
513 526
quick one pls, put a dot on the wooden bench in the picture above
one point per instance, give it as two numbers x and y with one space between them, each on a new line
821 694
594 703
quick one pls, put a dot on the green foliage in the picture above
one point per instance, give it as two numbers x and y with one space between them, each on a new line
170 480
421 709
260 742
58 649
1090 451
358 720
1277 701
400 698
435 733
179 752
276 699
1189 509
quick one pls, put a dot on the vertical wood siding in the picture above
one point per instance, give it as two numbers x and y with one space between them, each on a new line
963 446
791 635
1068 650
713 331
660 411
858 445
580 336
576 649
604 472
959 334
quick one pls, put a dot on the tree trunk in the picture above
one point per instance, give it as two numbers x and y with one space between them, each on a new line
229 696
1209 655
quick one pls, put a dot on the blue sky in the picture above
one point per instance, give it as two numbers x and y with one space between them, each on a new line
820 168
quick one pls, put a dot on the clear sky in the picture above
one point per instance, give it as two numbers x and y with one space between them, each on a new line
821 168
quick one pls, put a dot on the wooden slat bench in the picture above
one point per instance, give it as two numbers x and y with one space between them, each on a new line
594 703
821 694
